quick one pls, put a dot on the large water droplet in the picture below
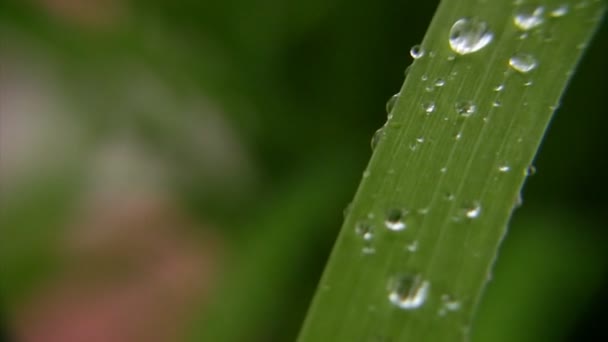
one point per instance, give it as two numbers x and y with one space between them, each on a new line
529 17
523 62
378 135
408 292
390 104
416 52
560 11
395 220
465 108
469 35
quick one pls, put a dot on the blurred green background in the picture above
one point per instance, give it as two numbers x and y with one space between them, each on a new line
178 170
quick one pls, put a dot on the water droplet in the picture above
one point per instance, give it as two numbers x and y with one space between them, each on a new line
378 135
365 230
530 170
368 250
523 62
443 169
529 17
496 103
448 304
429 107
440 82
429 88
347 210
560 11
366 174
420 140
394 220
458 136
408 292
469 35
448 196
424 78
412 247
499 87
465 108
390 104
407 70
416 52
474 211
504 168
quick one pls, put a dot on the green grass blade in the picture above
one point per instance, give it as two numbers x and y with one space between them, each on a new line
455 177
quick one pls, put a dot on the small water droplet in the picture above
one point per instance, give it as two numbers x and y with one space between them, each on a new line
412 247
366 174
560 11
499 87
496 103
408 292
378 135
528 83
530 170
394 220
368 250
440 82
474 211
365 230
347 210
523 62
448 304
406 72
465 108
504 168
443 169
448 196
390 104
429 107
529 17
429 89
416 52
424 77
420 140
469 35
458 136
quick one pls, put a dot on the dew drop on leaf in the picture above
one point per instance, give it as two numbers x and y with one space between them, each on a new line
523 62
416 52
408 292
365 230
376 138
429 107
465 108
528 17
474 211
469 35
560 11
395 220
448 304
390 104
